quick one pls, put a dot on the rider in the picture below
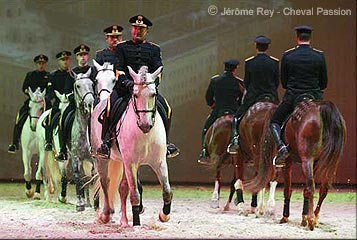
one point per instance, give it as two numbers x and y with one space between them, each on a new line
261 80
113 35
134 53
82 56
223 95
303 75
34 79
62 81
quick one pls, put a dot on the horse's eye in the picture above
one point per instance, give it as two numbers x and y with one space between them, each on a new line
78 86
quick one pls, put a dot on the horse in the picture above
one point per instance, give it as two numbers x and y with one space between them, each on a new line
79 147
37 105
142 140
316 135
217 139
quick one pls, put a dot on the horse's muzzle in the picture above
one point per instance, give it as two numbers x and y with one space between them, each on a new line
145 128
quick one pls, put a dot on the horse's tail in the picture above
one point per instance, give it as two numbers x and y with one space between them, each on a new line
333 140
53 174
265 164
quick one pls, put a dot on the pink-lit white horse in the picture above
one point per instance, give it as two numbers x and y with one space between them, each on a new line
142 140
29 142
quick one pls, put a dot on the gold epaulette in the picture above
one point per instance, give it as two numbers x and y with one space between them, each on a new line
290 49
238 78
276 59
249 58
99 50
317 50
154 44
122 42
215 76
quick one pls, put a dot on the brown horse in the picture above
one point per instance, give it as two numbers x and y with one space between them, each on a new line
316 134
246 162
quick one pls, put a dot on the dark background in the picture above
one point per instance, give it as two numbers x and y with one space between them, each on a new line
194 45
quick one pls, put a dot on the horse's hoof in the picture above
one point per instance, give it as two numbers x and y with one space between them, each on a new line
215 204
88 205
227 208
103 219
252 210
37 196
62 199
124 223
142 210
284 220
80 208
163 217
29 193
304 221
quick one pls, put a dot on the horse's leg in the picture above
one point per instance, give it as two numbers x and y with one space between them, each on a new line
307 212
216 191
27 172
140 188
239 202
64 182
163 176
287 191
227 207
104 216
322 195
124 191
38 182
87 169
260 204
131 176
77 179
271 200
115 173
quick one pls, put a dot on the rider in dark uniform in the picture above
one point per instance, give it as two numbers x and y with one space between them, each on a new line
134 53
35 79
261 81
113 35
62 81
304 76
82 56
223 95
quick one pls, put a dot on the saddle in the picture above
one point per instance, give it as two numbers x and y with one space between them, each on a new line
68 123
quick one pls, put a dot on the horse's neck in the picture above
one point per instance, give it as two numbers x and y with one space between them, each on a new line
80 121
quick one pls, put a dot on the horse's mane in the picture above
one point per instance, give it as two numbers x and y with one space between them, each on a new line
143 71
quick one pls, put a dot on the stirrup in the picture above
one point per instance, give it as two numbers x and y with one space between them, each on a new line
61 157
103 151
12 148
279 159
48 147
172 150
233 146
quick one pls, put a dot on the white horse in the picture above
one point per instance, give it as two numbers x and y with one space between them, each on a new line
142 141
55 173
79 147
29 144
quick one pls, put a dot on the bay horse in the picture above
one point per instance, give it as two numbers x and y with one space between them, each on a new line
316 135
245 163
29 142
142 140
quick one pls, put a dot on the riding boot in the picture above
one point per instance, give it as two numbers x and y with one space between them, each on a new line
104 149
172 150
234 145
48 136
20 121
62 155
203 158
283 153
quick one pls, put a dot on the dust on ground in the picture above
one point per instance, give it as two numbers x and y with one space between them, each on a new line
190 218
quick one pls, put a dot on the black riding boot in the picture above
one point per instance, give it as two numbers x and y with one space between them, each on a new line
21 119
234 145
203 158
62 155
283 153
48 136
172 150
104 149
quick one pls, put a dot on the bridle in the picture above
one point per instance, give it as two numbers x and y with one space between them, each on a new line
138 111
36 117
81 103
96 81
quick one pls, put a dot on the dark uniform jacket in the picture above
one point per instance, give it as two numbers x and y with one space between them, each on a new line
78 70
105 55
224 93
135 55
62 81
34 80
261 77
303 71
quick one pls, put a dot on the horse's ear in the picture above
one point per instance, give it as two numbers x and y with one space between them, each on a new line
88 72
157 72
44 92
132 73
58 94
30 91
97 66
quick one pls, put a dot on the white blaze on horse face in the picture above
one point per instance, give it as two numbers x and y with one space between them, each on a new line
83 91
36 106
105 79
